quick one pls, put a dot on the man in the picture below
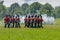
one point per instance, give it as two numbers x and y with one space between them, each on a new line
12 21
17 19
35 21
38 21
25 21
28 21
32 21
6 21
9 20
41 20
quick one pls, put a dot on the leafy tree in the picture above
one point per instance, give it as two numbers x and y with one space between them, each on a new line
34 7
57 12
25 8
43 11
2 10
14 9
47 8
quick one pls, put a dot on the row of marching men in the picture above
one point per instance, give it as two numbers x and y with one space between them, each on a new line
33 21
11 21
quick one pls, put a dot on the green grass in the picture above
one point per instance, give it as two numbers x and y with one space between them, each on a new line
49 32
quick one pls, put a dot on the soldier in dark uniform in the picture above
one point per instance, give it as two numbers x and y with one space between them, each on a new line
25 20
35 21
12 21
38 21
28 21
41 22
32 21
6 21
17 20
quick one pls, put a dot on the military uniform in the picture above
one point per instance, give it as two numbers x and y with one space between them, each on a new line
17 19
35 21
6 21
38 21
41 22
32 21
28 21
12 21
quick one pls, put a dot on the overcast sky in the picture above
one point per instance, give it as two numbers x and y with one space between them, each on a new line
52 2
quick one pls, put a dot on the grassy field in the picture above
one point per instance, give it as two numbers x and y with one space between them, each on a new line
49 32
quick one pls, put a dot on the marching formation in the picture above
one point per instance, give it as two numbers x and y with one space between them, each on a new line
33 21
12 21
30 21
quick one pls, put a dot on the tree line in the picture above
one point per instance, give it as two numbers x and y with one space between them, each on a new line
34 8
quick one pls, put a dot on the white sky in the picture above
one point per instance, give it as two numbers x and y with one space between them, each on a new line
54 3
